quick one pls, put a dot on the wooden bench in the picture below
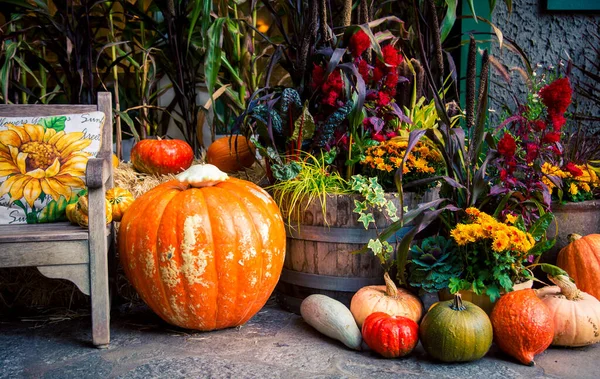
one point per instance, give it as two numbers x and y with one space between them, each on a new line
61 250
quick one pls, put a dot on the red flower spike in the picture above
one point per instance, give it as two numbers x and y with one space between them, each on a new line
383 99
539 125
318 77
363 69
532 152
377 74
557 120
556 96
391 56
551 137
573 170
359 42
507 145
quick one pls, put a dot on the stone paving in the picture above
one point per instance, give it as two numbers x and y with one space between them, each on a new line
273 344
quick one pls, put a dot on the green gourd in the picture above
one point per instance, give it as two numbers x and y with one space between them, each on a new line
331 318
456 331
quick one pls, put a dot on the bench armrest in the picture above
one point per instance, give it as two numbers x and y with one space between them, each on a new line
98 173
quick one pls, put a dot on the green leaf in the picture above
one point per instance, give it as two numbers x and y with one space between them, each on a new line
375 246
493 292
366 219
472 7
194 17
360 206
286 171
57 123
449 19
538 229
552 270
9 54
304 123
541 247
212 59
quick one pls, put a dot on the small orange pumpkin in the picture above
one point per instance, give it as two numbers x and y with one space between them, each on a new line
388 299
523 325
120 199
80 213
576 314
231 154
204 251
581 260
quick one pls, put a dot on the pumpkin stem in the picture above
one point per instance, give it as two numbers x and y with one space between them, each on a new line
574 237
202 175
567 287
390 288
457 305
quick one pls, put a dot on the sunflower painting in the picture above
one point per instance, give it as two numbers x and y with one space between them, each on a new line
41 171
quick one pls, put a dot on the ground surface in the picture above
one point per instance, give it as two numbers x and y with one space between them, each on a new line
274 344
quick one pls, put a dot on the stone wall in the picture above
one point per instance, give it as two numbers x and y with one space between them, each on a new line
546 38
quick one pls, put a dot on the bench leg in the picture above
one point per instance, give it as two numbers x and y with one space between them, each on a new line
100 294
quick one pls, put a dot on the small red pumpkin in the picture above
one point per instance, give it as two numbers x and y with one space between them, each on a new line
523 325
390 336
161 156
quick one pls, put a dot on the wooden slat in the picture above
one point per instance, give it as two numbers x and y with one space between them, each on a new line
61 231
38 110
23 254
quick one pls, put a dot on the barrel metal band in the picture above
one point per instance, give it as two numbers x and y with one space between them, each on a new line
337 235
327 282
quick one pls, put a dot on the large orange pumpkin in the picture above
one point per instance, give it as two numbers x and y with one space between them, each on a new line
203 251
231 154
581 260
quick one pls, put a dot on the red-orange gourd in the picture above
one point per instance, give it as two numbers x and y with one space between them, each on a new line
231 154
203 251
523 325
161 156
389 299
581 260
390 336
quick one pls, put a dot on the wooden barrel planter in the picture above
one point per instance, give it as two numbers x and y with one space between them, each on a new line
318 256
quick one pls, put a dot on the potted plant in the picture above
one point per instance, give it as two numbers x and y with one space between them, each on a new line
482 259
325 140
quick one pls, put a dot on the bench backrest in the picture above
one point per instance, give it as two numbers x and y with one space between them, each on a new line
39 110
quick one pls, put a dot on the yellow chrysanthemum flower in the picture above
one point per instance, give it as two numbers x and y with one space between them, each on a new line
573 190
511 219
37 160
585 187
501 242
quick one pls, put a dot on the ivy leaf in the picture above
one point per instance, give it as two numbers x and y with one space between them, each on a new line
376 246
366 219
57 123
361 206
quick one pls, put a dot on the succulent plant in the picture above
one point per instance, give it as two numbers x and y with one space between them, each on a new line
433 263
